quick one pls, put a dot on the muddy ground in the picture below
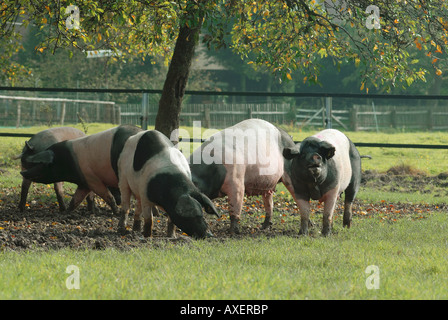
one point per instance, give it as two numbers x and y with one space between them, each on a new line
43 227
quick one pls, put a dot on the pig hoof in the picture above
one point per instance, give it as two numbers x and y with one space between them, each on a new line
326 232
234 230
122 230
266 225
137 226
303 232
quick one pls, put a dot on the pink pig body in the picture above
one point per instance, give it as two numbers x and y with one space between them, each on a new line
323 166
39 142
243 159
90 162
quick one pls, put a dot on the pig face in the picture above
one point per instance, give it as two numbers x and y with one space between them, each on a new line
39 167
53 165
189 217
311 159
182 202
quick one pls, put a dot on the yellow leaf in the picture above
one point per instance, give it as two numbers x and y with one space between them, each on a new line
438 72
288 76
362 86
44 20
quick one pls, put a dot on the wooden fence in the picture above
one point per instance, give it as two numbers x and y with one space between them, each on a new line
371 117
224 115
27 111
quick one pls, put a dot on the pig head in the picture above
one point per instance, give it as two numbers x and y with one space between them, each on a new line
39 142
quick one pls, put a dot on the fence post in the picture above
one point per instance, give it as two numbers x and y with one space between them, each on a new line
117 114
249 112
328 107
63 114
393 118
207 117
354 118
430 119
19 111
144 116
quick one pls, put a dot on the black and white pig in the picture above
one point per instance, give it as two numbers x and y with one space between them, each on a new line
243 159
39 142
157 174
323 166
90 162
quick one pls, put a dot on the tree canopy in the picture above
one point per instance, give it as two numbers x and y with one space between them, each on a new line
382 38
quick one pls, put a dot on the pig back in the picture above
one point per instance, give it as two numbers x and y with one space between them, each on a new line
93 155
341 157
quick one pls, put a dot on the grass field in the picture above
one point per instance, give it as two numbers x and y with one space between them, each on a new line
411 260
409 254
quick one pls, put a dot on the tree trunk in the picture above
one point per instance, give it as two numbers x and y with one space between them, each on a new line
170 103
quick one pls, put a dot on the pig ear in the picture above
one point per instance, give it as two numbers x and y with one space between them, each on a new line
208 205
187 206
45 157
29 146
327 150
290 153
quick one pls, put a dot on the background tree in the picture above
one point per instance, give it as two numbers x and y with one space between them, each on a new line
284 36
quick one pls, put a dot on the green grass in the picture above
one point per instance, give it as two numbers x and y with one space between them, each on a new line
411 257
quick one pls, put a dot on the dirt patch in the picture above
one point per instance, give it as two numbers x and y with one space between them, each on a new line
408 180
43 227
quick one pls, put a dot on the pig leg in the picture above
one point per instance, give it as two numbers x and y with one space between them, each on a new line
329 206
105 194
125 205
350 194
236 204
347 220
24 193
137 226
288 184
171 232
58 189
91 202
78 197
305 209
147 215
268 206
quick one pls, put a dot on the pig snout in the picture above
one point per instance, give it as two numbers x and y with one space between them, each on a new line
315 165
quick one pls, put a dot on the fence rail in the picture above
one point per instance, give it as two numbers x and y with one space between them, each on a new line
345 111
